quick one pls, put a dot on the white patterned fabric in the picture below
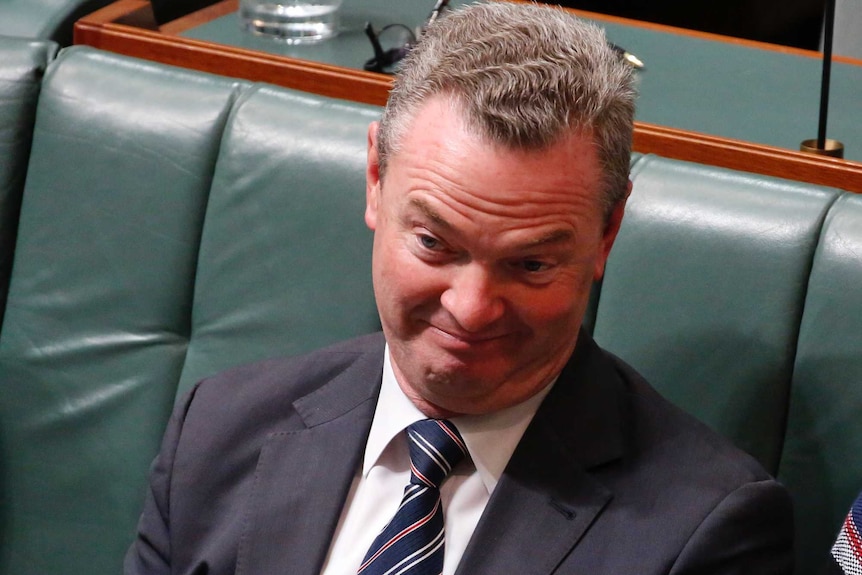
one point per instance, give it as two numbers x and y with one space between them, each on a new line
847 549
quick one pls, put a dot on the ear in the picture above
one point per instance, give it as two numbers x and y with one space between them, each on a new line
612 228
372 178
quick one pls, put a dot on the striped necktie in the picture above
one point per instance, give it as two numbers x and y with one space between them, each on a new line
412 543
847 550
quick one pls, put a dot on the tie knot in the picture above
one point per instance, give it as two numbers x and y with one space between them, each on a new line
435 448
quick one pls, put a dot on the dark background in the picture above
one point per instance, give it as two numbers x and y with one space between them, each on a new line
789 22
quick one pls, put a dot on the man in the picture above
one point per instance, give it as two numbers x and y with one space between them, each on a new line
496 183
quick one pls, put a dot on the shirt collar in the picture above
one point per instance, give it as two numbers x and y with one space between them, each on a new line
491 438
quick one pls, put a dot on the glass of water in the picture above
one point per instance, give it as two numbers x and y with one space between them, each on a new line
292 21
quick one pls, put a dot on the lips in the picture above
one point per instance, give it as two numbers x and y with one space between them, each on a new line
457 339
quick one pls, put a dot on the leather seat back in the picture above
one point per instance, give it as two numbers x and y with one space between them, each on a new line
285 257
173 224
98 315
821 462
705 288
24 62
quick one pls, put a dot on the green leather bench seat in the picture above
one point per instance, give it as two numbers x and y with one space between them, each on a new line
174 224
823 445
284 260
98 314
705 289
704 294
21 72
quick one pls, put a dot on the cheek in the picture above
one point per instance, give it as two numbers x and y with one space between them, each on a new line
402 278
549 309
558 308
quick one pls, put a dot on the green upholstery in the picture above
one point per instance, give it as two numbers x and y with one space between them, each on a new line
97 319
45 19
822 450
167 231
23 63
284 264
704 292
174 224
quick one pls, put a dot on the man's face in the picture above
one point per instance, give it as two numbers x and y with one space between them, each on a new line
483 260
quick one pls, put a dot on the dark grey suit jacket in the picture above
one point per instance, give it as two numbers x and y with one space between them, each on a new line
609 478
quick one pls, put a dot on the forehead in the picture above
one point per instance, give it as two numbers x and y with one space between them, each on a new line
442 154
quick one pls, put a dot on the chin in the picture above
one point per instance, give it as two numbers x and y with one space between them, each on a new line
461 382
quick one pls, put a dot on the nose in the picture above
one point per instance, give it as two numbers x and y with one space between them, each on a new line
473 298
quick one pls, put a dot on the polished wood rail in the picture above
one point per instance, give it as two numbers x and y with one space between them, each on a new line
127 27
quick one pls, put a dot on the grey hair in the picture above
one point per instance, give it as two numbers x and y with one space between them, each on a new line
523 75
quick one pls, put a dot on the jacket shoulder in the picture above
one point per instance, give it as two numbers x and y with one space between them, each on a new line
266 391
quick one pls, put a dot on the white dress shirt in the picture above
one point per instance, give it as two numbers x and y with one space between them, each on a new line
378 487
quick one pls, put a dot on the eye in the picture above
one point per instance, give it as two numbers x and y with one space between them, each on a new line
534 271
429 242
534 266
428 247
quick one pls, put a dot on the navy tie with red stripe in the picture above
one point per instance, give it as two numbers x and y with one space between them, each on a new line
412 543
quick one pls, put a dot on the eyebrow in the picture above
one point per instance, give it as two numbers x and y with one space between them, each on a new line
552 237
429 213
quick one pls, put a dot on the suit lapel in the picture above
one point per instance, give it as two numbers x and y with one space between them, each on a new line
303 477
547 499
542 506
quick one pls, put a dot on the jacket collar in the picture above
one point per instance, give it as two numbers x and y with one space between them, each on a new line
577 428
303 477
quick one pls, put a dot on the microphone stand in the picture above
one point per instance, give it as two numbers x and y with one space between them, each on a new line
822 145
